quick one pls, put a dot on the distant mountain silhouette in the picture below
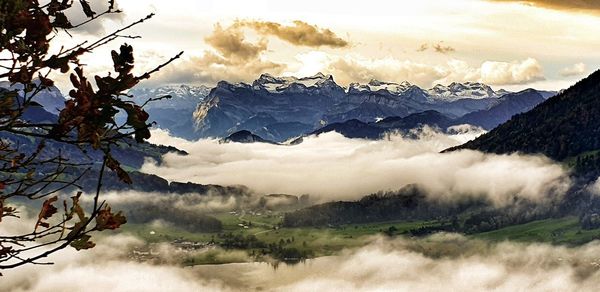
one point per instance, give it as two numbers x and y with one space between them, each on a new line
510 105
280 108
244 136
564 126
357 129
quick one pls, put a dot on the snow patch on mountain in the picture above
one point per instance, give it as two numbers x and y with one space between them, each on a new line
455 91
279 84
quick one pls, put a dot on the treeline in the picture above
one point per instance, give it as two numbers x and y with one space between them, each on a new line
563 126
280 251
409 203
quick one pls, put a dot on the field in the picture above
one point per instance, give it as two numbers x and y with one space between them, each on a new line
331 240
556 231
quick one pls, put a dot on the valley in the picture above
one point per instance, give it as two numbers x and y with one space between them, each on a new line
312 242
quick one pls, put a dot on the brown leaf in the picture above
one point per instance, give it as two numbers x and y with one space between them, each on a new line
107 220
115 166
83 242
46 212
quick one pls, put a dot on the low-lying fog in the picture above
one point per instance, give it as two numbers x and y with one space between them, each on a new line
442 262
332 167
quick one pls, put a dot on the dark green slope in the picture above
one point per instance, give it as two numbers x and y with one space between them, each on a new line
563 126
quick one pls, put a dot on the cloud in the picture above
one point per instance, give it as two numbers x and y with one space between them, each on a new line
579 5
517 72
575 70
198 203
438 48
446 262
235 58
355 68
442 262
96 27
594 188
331 167
351 68
105 268
232 57
231 44
300 34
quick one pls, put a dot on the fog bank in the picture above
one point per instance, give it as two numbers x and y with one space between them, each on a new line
332 167
442 262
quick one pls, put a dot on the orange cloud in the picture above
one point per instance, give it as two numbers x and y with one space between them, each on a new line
300 34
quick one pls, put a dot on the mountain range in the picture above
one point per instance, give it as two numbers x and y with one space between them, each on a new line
564 126
280 108
174 113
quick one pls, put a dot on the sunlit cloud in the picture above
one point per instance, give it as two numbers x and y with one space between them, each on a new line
320 167
574 70
355 68
300 34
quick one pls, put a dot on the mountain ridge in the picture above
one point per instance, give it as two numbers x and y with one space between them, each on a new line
563 126
316 101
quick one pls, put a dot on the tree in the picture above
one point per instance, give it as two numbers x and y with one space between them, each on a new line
30 171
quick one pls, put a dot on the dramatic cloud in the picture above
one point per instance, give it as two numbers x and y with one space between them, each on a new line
578 5
331 167
518 72
352 68
575 70
232 45
300 34
211 68
232 58
235 58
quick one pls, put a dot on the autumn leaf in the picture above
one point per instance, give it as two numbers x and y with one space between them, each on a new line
83 242
75 209
77 229
46 212
115 166
107 220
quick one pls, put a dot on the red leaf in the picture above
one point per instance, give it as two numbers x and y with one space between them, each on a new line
46 212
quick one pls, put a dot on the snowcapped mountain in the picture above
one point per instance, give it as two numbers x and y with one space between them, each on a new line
176 113
455 91
280 108
313 84
51 99
376 86
182 96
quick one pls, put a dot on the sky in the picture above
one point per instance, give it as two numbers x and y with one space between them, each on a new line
545 44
